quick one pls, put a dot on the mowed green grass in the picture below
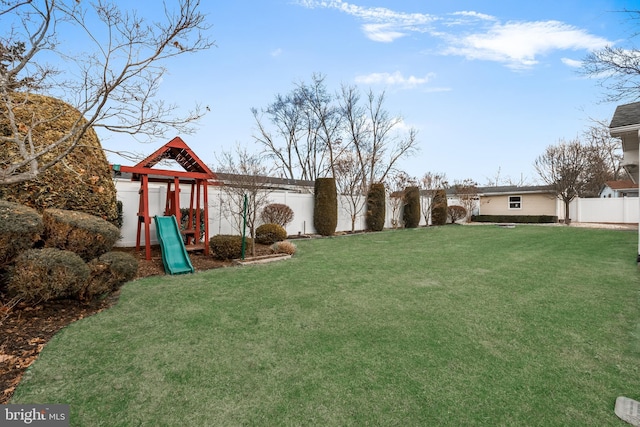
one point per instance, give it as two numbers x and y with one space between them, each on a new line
443 326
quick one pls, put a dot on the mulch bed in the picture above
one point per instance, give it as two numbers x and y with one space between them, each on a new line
24 330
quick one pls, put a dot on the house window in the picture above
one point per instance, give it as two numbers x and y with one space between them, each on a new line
515 202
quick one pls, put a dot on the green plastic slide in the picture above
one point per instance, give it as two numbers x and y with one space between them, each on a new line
174 255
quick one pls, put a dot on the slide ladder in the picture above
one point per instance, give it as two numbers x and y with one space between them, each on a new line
174 254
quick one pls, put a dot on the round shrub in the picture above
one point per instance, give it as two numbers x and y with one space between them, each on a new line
411 211
277 213
20 228
325 208
268 234
439 208
82 182
284 247
84 234
46 274
226 246
376 207
108 272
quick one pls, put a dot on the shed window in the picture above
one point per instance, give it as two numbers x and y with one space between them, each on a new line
515 202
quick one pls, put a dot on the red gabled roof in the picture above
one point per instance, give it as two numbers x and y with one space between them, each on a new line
176 150
621 185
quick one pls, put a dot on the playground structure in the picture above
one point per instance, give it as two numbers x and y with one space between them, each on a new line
196 174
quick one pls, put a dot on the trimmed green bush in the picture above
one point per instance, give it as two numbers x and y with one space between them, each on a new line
226 246
45 274
439 208
376 207
108 273
411 211
325 209
268 234
521 219
455 213
87 235
20 228
277 213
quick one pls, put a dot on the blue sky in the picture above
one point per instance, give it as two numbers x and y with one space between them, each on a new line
487 84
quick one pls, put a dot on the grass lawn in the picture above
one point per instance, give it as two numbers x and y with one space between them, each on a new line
444 326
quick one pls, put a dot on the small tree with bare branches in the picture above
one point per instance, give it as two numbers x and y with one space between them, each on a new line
114 86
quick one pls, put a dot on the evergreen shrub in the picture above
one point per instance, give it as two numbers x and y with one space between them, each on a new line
268 234
376 207
44 274
20 228
411 211
225 246
87 235
108 273
439 208
325 209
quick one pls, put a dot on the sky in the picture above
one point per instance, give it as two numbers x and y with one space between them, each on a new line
488 84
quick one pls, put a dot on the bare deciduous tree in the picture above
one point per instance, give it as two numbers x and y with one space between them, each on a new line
307 131
429 183
113 86
396 184
349 177
564 167
245 175
617 68
467 193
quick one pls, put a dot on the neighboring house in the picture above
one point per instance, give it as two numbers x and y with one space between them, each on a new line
625 125
623 188
514 200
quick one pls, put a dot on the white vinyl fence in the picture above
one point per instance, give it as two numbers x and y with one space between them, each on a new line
300 203
616 210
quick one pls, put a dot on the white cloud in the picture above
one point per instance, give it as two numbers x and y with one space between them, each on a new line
394 79
276 52
519 44
477 36
572 62
381 32
380 24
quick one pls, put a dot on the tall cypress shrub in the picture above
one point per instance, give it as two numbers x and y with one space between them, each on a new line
325 208
439 208
376 207
411 211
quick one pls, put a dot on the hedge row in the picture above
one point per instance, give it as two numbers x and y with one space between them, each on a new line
520 219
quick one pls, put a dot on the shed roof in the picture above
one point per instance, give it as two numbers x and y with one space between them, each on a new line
621 184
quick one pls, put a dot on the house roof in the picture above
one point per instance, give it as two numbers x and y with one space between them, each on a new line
514 189
625 184
626 115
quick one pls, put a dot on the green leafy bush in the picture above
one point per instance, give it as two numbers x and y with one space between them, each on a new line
439 208
268 234
455 213
325 209
86 235
46 274
226 246
376 207
284 247
20 228
411 211
108 272
277 213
